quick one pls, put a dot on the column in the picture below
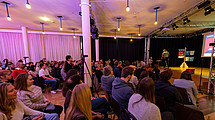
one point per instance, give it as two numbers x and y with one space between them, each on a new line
97 49
148 49
145 51
42 44
26 44
86 39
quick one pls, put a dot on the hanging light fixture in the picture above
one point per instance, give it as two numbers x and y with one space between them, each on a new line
139 30
115 34
43 31
6 4
61 26
156 16
131 40
118 22
74 33
127 8
27 5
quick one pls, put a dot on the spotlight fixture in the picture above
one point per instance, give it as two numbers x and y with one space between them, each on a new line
156 16
131 40
6 4
127 8
139 30
208 10
115 34
185 21
118 22
174 26
27 5
74 33
61 26
43 32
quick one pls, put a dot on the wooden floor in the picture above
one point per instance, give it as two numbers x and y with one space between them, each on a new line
206 102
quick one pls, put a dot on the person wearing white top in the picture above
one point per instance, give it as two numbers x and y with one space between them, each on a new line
141 104
186 82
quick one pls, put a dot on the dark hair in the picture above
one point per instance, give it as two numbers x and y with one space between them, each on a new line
107 70
144 74
55 63
20 61
42 64
127 71
73 81
186 75
20 82
165 74
32 68
146 88
68 57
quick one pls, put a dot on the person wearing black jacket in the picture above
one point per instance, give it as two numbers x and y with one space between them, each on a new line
68 64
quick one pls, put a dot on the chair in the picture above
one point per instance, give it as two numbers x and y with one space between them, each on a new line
115 106
108 96
125 115
185 113
184 95
160 102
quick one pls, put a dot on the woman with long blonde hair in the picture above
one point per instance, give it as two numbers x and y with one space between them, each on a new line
80 104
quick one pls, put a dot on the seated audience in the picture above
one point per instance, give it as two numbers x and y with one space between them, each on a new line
69 73
142 103
138 71
5 76
164 89
19 69
107 78
56 71
4 64
48 78
121 92
134 80
116 71
144 74
32 95
186 82
34 74
13 109
80 104
37 65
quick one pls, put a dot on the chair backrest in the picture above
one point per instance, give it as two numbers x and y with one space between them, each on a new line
160 102
185 113
184 95
115 106
108 96
125 115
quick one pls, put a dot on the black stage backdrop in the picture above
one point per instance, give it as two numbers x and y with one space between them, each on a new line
127 50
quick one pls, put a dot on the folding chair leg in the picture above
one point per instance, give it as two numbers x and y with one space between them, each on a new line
113 116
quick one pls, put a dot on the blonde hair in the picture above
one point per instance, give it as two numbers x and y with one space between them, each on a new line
6 106
80 100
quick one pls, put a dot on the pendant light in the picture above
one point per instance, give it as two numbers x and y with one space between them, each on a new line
43 31
61 26
27 5
156 16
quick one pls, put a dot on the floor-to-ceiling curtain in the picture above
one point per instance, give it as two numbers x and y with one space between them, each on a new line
34 47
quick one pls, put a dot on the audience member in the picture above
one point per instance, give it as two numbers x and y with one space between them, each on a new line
138 70
107 79
32 95
142 103
186 82
116 71
164 89
144 74
121 92
56 71
4 64
12 109
68 64
19 69
5 76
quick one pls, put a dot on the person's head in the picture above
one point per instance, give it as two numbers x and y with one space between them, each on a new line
20 64
71 73
146 88
80 99
139 65
32 68
127 73
107 71
43 65
44 59
23 81
165 74
186 75
69 58
73 81
144 74
5 75
8 99
31 63
56 64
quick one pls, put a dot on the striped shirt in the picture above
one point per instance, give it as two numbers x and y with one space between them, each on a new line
33 98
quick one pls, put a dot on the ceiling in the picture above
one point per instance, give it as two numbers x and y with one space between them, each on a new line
105 13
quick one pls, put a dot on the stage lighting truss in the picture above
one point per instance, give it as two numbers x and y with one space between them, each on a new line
211 85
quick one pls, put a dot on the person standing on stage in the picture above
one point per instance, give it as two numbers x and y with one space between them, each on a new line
165 57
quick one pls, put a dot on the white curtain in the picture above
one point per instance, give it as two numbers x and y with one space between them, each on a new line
11 46
56 47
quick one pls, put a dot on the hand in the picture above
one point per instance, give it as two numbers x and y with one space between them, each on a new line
99 116
47 102
39 117
53 78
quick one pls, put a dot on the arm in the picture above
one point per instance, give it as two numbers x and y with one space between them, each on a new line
195 91
2 116
27 110
156 114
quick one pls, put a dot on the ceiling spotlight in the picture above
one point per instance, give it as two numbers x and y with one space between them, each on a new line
27 5
208 10
127 8
114 38
118 22
74 33
43 31
156 16
115 34
131 40
139 30
174 26
61 26
6 4
185 21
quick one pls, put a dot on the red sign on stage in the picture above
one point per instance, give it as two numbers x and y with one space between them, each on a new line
180 53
